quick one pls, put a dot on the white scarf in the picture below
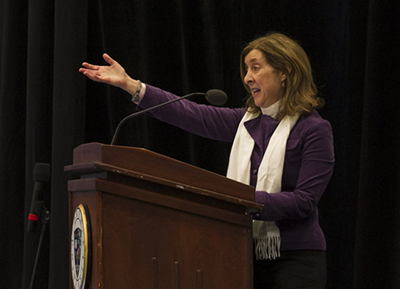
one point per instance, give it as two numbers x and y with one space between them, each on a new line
266 234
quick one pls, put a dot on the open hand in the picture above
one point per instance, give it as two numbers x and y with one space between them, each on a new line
113 73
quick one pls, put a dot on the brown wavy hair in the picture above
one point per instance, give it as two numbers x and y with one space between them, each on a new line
285 55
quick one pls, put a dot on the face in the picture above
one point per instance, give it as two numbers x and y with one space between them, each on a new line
263 80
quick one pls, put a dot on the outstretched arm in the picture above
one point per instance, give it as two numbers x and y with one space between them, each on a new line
113 74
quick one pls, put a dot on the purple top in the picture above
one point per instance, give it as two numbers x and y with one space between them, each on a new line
308 165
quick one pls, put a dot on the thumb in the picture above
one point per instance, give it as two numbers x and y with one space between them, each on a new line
108 59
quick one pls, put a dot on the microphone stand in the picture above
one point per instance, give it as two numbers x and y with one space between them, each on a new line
45 221
214 96
150 108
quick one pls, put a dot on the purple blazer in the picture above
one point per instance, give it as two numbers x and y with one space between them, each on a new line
308 165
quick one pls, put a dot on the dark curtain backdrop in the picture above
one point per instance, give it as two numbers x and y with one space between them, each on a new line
47 109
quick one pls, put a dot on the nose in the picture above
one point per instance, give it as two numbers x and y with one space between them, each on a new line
248 77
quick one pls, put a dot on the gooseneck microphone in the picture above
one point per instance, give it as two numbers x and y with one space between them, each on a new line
41 175
213 96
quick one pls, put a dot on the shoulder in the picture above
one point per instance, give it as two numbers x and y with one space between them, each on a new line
311 124
313 120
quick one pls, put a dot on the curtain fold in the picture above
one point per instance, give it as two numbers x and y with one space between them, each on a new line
69 121
38 136
377 254
13 49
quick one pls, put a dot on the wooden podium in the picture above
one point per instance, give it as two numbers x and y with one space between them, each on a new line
160 223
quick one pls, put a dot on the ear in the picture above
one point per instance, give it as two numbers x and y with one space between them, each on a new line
283 74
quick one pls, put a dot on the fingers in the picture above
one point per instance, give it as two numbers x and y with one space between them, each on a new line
100 73
90 70
92 74
106 57
90 66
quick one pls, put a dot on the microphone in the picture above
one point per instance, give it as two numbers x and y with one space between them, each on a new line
41 175
213 96
216 97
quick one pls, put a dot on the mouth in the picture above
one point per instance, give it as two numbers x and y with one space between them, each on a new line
255 91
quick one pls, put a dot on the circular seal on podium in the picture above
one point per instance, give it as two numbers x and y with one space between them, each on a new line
81 248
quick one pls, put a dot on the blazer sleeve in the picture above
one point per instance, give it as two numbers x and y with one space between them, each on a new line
218 123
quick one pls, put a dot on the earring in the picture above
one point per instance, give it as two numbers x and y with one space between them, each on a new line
283 84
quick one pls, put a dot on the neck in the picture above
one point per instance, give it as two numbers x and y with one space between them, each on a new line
271 110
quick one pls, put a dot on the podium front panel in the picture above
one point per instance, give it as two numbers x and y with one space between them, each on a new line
144 237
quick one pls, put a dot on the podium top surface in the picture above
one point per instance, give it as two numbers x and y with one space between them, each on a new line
142 161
